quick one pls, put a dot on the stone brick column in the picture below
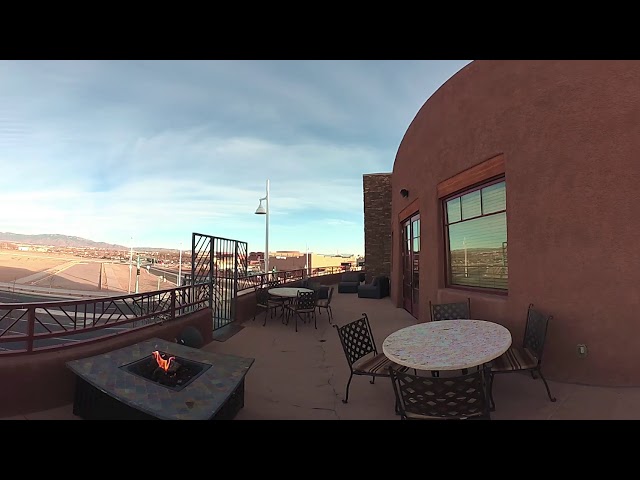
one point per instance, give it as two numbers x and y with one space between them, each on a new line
377 224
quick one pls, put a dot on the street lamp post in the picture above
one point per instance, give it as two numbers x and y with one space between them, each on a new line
265 211
306 262
138 273
180 267
130 265
466 262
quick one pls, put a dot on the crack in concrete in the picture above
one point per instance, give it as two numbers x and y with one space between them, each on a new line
329 380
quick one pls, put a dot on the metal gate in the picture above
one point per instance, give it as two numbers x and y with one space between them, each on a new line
220 262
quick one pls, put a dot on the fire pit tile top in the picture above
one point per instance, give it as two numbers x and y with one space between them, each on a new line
199 400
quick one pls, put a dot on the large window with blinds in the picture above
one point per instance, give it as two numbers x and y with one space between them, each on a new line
476 237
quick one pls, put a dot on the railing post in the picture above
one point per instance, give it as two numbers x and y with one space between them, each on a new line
31 327
232 301
173 304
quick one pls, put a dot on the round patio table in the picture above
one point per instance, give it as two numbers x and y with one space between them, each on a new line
286 293
289 292
447 344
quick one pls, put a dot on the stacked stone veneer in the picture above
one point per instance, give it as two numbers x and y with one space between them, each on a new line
377 224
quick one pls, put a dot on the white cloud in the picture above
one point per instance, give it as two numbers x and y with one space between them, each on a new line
107 150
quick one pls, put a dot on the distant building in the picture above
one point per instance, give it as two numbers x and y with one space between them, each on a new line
295 260
287 260
286 254
255 257
322 260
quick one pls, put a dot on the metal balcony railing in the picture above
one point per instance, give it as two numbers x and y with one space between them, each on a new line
45 326
30 327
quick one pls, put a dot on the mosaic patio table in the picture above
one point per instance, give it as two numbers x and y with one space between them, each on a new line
447 344
109 386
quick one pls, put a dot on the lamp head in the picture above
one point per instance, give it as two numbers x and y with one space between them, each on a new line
404 192
261 210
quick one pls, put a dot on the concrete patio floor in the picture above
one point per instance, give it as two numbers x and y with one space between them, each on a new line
302 376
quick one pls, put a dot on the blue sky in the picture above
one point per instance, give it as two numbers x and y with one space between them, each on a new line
155 150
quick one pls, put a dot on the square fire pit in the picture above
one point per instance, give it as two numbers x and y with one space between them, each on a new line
128 384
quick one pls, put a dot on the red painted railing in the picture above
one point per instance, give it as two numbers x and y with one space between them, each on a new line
44 326
255 280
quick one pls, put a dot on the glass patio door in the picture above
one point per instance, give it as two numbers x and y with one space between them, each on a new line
411 264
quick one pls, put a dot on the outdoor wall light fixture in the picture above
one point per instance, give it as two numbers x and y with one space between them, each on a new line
404 192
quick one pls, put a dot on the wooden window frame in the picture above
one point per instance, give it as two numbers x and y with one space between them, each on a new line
445 227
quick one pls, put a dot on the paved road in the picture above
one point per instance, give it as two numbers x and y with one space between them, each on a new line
45 274
35 290
10 297
168 274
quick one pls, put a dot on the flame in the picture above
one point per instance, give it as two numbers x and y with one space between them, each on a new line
162 363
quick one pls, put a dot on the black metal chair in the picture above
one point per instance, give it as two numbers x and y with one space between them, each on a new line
263 300
358 342
442 398
281 301
527 357
326 304
450 311
304 303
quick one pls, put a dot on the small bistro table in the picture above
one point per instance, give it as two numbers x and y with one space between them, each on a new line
447 344
287 292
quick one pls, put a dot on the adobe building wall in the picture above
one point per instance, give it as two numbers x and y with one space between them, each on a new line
569 135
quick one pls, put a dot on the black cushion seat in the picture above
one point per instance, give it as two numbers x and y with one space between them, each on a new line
515 358
378 288
377 364
350 282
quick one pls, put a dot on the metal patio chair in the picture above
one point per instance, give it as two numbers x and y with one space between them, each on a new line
281 301
304 303
326 304
450 311
361 352
442 398
527 357
263 300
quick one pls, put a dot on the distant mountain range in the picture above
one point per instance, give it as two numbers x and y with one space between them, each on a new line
56 240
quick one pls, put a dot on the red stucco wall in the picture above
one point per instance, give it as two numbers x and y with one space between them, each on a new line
570 135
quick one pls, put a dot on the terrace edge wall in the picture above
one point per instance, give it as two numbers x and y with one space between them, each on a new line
570 135
41 381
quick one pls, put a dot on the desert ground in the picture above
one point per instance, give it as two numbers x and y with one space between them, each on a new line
117 279
15 265
67 272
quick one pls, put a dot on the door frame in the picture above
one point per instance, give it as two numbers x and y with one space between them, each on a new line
406 249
